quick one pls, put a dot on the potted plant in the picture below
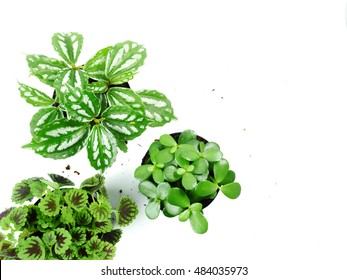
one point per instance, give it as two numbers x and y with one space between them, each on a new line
92 104
58 221
181 174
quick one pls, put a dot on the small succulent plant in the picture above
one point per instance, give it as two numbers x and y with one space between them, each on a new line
181 174
62 222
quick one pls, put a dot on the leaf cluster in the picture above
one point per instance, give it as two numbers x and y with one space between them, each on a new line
181 174
64 222
92 105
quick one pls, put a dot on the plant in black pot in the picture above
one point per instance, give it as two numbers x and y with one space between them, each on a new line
58 221
181 174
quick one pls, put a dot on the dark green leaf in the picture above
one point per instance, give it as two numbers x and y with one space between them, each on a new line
206 188
198 222
68 46
126 211
148 189
153 209
31 248
231 190
34 97
95 67
220 170
143 172
179 198
44 116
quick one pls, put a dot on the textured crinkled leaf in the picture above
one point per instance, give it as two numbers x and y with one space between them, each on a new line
104 226
68 46
21 192
37 186
113 236
98 87
198 222
49 238
81 105
148 189
124 122
63 241
34 97
50 204
44 116
78 235
205 188
231 190
108 250
152 209
143 172
126 211
120 96
83 218
158 109
67 215
45 68
68 78
123 61
220 170
60 139
101 211
19 217
95 67
178 197
31 248
101 148
77 199
94 245
61 180
93 184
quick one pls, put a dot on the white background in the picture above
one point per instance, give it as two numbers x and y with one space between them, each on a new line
267 80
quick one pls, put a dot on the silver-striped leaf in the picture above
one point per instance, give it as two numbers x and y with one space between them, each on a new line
158 109
124 122
123 61
68 46
34 97
95 67
101 148
119 96
98 87
60 139
45 68
43 117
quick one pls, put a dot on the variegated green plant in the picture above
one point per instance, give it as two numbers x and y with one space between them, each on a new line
63 222
92 104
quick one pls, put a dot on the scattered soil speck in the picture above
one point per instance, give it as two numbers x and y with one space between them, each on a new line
139 145
120 191
68 167
76 172
213 89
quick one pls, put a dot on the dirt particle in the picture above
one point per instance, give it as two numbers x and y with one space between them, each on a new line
76 172
68 167
120 191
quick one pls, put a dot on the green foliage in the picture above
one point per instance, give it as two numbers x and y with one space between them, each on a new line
92 105
63 222
181 174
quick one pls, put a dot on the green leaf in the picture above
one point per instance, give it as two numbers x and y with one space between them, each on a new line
124 122
123 61
21 192
34 97
231 190
44 116
60 139
189 153
98 87
179 198
167 140
31 248
170 174
163 190
61 180
81 105
50 204
182 162
113 236
70 78
188 181
126 211
49 238
37 187
108 251
95 67
67 216
220 170
229 178
205 188
171 210
198 222
143 172
94 245
158 107
200 166
101 211
186 136
120 96
83 218
152 209
63 241
93 184
68 46
104 226
164 156
212 155
101 148
77 199
158 176
184 216
78 235
148 189
19 217
196 206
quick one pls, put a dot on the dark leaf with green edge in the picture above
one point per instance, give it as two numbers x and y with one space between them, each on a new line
170 174
21 192
50 204
67 215
152 209
77 199
43 117
198 222
78 235
68 46
68 78
60 139
212 155
148 189
19 217
61 180
188 181
120 96
158 107
220 170
167 140
101 211
31 248
171 210
81 105
143 172
158 176
206 188
104 226
182 162
93 184
123 61
6 213
186 136
124 122
95 67
229 178
49 238
179 198
196 206
34 97
184 216
189 153
98 87
126 211
63 240
163 190
113 236
200 166
83 218
164 156
231 190
45 68
101 148
6 223
108 250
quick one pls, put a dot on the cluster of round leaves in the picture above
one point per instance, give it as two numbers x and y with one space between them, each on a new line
181 173
65 222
